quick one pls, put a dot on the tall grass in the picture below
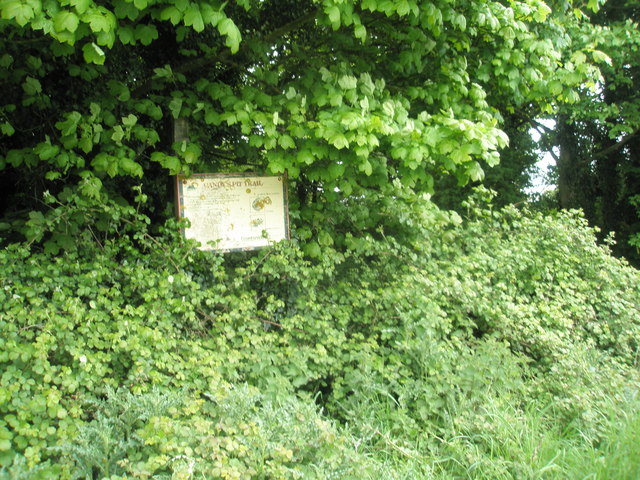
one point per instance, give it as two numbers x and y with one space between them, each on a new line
506 442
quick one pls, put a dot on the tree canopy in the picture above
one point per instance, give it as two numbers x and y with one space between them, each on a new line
347 97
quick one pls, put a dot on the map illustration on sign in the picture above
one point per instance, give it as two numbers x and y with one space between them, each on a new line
233 211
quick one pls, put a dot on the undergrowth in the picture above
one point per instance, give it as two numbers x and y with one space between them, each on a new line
499 345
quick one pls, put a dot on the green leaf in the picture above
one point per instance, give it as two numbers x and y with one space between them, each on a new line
475 172
130 167
366 168
336 170
66 20
167 161
130 120
347 82
81 6
32 86
92 53
228 28
339 141
7 129
70 125
312 249
286 142
126 34
20 11
193 18
306 157
172 14
118 134
99 19
175 106
333 12
146 33
46 151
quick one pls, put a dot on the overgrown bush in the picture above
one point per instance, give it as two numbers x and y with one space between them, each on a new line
363 358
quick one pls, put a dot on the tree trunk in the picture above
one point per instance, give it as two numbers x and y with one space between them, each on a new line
567 163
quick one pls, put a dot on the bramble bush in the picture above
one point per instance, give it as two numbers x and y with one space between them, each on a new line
382 354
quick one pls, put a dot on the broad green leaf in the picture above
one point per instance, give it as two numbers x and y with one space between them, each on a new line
193 18
92 53
7 129
130 167
172 14
175 106
336 170
130 120
19 10
475 172
333 12
146 33
66 20
339 141
99 19
46 151
69 126
348 82
286 142
81 6
32 86
126 34
228 28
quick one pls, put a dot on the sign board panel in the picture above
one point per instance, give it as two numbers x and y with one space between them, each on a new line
233 211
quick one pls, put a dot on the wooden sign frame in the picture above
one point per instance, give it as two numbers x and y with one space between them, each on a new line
233 211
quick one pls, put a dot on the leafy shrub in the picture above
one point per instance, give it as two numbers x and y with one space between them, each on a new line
404 334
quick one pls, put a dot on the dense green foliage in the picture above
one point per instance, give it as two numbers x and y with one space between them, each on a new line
389 338
345 96
140 355
598 137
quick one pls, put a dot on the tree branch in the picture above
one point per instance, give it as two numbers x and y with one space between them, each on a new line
616 146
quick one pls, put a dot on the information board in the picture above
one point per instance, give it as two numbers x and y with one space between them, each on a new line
233 211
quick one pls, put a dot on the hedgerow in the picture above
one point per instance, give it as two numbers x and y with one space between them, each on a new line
135 354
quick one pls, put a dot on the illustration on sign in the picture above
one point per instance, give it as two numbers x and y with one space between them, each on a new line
233 211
